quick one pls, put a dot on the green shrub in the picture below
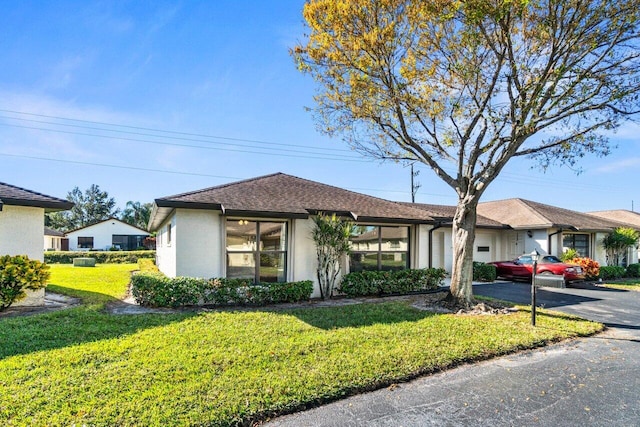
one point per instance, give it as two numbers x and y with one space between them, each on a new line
102 257
157 290
18 274
612 272
147 265
484 272
633 270
568 255
363 283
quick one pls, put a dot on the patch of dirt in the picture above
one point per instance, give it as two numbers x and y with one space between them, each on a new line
441 302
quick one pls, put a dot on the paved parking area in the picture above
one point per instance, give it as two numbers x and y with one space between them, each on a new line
593 381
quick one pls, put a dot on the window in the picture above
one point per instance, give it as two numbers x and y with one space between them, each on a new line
579 242
85 242
126 242
169 234
376 247
257 250
484 249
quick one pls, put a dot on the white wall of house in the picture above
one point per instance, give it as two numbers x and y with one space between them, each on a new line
21 231
302 254
52 242
199 243
194 246
421 246
165 246
102 234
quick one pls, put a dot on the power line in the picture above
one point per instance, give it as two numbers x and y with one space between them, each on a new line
121 138
150 130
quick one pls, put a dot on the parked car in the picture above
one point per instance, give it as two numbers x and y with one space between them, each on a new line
522 268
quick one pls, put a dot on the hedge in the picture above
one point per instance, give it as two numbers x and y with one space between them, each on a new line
633 270
612 272
484 272
158 290
102 257
366 283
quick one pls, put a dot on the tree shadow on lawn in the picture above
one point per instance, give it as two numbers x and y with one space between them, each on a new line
73 326
359 315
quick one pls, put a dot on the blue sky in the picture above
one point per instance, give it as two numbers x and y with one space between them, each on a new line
150 98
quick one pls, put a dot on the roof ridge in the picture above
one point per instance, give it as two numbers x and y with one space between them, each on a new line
217 187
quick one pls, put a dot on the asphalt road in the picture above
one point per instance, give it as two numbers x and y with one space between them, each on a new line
587 382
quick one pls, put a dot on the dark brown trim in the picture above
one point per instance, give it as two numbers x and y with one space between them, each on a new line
61 205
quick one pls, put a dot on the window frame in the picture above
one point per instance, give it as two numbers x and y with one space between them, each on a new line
379 248
82 245
256 252
572 237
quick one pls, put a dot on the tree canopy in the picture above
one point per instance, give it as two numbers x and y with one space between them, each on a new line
91 207
465 86
137 214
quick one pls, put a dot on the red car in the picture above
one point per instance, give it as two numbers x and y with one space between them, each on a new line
522 267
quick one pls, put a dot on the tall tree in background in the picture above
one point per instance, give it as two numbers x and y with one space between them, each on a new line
137 214
464 86
91 207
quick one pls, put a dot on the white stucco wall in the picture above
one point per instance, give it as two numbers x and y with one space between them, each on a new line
196 248
165 250
21 231
199 243
302 254
102 234
421 246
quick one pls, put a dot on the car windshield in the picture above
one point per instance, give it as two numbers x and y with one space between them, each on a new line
525 259
550 259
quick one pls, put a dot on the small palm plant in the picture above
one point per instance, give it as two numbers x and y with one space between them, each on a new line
331 236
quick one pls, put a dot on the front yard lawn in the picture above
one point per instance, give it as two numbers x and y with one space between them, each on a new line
627 285
83 366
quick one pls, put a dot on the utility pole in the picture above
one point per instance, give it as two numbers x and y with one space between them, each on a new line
414 185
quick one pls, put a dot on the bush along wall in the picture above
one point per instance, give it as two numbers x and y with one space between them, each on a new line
158 290
102 257
367 283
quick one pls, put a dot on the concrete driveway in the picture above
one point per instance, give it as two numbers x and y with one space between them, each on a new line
593 381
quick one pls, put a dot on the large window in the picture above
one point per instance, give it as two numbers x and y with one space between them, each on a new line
127 242
257 250
85 242
579 242
376 247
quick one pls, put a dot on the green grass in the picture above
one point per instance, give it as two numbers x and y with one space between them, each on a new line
83 366
100 284
627 285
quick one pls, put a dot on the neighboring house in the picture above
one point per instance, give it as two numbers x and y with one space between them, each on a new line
22 226
107 234
261 229
629 219
549 229
55 240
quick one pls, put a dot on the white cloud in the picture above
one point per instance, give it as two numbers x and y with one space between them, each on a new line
619 166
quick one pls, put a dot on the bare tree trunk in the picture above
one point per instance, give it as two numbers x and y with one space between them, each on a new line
464 226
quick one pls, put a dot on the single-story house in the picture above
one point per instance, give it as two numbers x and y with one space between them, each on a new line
629 219
549 229
22 226
107 234
260 228
55 240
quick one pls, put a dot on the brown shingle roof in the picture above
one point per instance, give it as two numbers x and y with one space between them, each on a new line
281 195
17 196
628 218
520 213
446 213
